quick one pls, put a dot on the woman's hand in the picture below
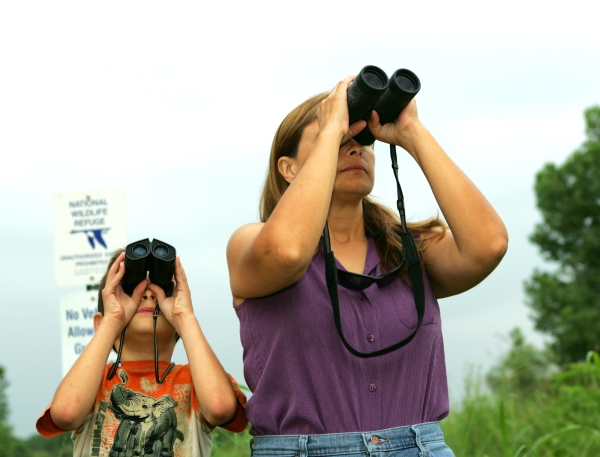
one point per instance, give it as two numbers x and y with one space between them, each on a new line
179 305
401 131
118 306
333 112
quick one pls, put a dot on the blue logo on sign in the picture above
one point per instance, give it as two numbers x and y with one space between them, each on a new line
93 236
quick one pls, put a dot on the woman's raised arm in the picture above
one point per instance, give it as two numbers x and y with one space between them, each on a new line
263 258
477 239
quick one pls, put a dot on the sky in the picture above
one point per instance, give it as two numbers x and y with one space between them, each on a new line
176 104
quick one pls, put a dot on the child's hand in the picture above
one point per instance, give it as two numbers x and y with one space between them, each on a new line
118 306
178 306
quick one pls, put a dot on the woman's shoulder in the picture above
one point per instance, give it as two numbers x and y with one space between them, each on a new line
245 232
251 226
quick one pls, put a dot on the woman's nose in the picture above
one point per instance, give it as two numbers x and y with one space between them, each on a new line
353 147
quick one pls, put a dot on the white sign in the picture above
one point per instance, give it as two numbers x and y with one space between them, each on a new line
76 325
88 227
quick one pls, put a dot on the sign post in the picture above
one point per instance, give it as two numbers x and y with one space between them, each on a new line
88 227
76 324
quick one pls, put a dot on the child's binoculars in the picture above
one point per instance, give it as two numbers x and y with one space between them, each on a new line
372 90
153 258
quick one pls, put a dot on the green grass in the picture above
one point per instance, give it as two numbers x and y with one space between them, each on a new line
227 444
561 418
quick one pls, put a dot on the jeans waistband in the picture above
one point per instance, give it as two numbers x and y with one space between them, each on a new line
378 440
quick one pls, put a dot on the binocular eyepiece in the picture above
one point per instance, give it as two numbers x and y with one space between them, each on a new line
372 90
153 258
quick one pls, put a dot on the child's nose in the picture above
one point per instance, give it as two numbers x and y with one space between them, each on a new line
148 296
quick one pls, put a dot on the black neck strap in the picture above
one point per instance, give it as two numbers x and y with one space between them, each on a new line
115 366
411 255
159 379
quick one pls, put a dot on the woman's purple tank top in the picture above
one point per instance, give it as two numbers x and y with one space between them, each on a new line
303 379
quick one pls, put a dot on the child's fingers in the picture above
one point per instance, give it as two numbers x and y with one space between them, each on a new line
158 292
136 296
180 277
116 271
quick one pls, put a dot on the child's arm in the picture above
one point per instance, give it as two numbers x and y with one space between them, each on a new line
76 393
212 385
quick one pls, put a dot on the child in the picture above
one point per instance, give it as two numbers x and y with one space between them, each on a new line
132 414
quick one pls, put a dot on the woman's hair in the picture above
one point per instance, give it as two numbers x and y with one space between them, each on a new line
382 223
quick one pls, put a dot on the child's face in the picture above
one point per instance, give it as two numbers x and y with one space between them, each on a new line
142 322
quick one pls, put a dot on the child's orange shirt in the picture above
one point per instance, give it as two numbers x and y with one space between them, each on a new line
134 415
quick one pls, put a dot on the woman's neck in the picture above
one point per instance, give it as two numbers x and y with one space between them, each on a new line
346 222
347 235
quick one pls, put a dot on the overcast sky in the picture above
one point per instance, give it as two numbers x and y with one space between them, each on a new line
177 104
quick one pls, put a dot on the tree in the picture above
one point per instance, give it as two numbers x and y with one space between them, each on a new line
3 397
566 301
6 438
523 370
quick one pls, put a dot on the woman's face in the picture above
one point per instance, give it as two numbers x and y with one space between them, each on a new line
356 164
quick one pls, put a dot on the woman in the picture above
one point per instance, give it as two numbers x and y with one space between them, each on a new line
311 396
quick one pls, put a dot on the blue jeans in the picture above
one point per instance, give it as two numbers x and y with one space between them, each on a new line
421 440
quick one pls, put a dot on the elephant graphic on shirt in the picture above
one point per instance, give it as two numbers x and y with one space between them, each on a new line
148 425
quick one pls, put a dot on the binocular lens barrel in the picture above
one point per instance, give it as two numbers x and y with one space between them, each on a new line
364 92
135 265
406 83
154 259
403 86
161 251
163 266
140 250
389 101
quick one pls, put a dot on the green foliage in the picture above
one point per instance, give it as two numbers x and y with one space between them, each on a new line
59 446
558 417
566 302
3 397
228 444
523 370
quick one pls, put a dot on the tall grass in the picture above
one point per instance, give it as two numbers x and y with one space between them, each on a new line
227 444
561 418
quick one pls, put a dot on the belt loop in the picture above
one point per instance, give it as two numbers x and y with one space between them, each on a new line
302 444
417 433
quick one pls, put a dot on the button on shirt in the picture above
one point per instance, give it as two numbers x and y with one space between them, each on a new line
303 379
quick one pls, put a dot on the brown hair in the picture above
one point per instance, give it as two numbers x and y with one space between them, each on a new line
380 221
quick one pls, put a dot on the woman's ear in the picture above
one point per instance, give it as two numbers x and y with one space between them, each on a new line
288 168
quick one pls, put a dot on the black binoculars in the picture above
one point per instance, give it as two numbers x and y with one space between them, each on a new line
153 258
372 90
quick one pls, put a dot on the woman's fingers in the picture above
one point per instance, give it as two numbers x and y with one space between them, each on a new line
356 128
334 108
394 132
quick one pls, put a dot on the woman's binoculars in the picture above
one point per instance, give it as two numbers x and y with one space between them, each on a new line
154 259
372 90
